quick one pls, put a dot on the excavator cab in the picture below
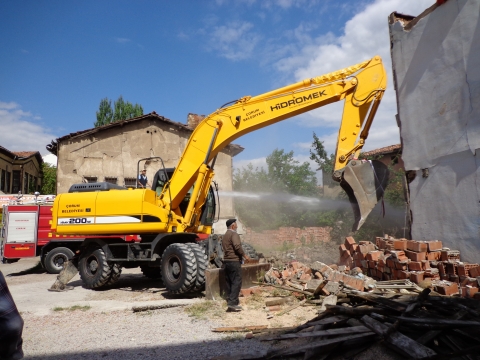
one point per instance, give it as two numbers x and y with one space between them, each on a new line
207 216
364 181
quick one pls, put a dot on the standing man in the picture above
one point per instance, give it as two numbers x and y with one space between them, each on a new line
142 180
232 264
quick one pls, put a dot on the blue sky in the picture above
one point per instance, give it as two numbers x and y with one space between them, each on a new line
60 58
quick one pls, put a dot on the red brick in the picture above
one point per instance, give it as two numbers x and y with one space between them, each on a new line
471 291
415 266
434 245
434 255
349 241
318 275
425 264
306 277
374 255
418 246
274 308
454 278
390 263
417 276
381 263
363 249
371 264
461 270
450 255
475 271
446 288
401 265
450 268
286 274
399 244
415 256
353 248
404 274
441 268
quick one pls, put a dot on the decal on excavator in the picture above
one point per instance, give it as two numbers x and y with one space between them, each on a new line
298 100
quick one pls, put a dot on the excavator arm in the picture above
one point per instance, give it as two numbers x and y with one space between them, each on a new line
360 86
89 211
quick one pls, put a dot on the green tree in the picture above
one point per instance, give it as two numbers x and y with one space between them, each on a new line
121 110
320 155
269 193
49 179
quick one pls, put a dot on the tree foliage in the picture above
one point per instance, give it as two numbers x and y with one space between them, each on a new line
268 201
49 179
121 110
320 155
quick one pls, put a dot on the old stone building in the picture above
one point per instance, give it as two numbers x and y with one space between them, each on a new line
20 171
111 153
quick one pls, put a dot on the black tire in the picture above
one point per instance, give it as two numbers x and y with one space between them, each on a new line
178 268
116 270
202 263
56 258
94 270
250 251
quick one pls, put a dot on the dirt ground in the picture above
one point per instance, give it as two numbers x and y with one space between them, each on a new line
82 323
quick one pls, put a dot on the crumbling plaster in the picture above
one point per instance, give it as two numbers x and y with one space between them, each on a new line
437 81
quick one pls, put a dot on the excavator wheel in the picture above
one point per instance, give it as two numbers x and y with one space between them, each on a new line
178 268
115 276
202 262
94 270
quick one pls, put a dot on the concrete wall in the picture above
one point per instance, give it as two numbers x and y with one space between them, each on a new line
114 152
437 79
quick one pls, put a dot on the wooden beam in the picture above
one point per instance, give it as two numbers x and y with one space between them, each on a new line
398 341
329 332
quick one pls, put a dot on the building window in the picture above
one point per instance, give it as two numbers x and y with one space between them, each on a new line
17 182
7 182
89 179
130 182
25 183
111 180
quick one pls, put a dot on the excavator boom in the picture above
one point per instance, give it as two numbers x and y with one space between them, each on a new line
360 86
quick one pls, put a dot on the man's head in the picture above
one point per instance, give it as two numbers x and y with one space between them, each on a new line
144 172
231 223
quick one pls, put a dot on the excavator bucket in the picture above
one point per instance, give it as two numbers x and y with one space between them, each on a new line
364 182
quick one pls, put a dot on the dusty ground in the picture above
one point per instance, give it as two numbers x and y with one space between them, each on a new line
86 324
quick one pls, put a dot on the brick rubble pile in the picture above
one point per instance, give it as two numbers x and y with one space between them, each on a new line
422 262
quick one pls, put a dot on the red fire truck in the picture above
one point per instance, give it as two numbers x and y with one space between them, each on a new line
26 233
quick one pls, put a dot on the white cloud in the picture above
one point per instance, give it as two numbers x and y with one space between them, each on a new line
50 159
260 163
235 41
365 35
20 132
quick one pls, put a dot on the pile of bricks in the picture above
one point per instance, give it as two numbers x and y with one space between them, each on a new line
326 279
417 261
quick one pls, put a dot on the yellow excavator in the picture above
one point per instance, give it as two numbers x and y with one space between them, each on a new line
181 204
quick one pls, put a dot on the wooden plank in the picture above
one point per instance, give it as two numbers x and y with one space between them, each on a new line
325 321
280 301
291 308
430 335
337 309
240 328
437 322
400 342
329 332
394 305
284 288
316 346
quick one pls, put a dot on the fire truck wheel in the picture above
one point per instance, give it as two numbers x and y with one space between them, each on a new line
94 270
178 268
56 258
202 262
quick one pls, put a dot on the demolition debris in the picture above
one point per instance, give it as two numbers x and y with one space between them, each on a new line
417 297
